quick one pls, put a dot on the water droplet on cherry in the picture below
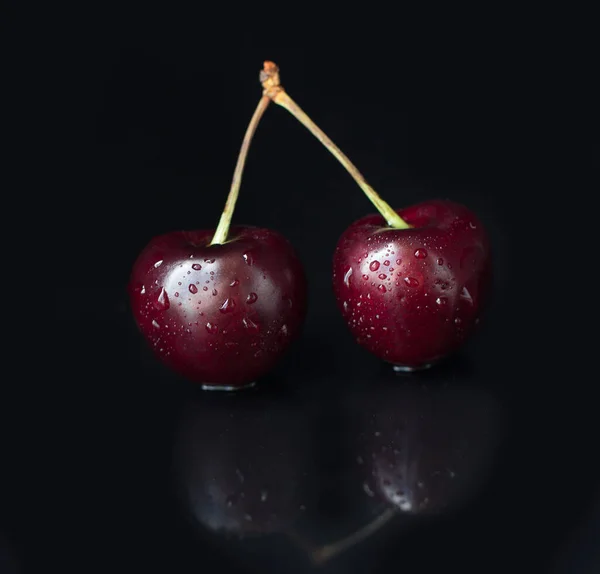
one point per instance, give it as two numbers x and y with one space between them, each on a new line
382 288
193 289
155 324
347 276
382 276
365 277
252 298
209 260
227 306
250 324
420 253
374 265
442 301
411 281
234 283
196 266
162 303
386 262
212 328
248 258
158 264
440 261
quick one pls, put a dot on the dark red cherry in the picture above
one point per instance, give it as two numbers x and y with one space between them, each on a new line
413 296
224 314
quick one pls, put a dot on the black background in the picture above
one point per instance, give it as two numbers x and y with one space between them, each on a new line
137 118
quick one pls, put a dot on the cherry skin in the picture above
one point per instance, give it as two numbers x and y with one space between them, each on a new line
413 296
223 314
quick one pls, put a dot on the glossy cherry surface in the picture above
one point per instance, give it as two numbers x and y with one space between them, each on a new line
413 296
221 315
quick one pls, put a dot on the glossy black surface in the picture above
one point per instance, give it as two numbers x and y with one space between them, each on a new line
111 463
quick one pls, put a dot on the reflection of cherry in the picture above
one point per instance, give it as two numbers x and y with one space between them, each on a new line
423 448
240 465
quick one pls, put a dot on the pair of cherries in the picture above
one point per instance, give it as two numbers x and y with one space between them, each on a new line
220 307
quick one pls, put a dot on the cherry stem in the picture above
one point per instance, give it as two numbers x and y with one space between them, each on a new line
273 89
222 231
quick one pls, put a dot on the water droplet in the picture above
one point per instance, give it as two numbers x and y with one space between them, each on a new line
234 283
464 294
158 264
215 292
283 331
382 276
411 281
205 288
209 260
162 303
441 301
420 253
193 289
472 225
196 266
155 324
212 328
386 262
227 306
248 258
457 321
440 261
374 265
398 261
347 276
365 277
143 291
252 297
345 306
250 324
449 266
382 288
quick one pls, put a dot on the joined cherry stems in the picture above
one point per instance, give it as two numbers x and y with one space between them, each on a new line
272 88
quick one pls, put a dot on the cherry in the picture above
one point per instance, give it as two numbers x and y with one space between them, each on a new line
410 283
220 307
412 296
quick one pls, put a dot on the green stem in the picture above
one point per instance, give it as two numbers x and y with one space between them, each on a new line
222 231
274 90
